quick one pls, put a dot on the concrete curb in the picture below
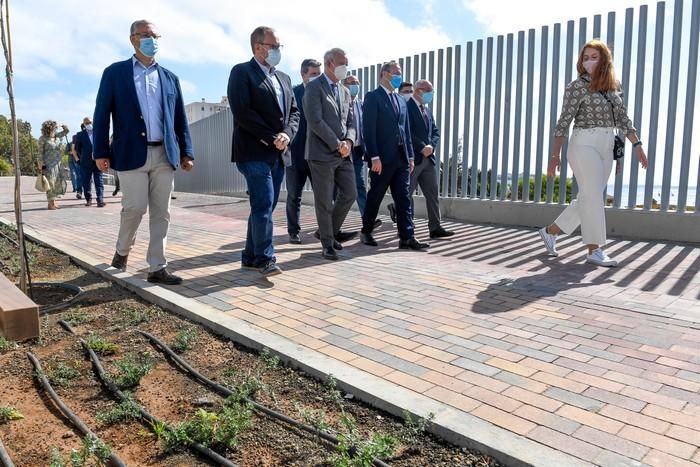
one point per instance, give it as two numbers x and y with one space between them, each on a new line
450 424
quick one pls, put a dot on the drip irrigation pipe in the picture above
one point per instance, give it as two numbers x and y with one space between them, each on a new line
224 391
67 412
5 457
59 306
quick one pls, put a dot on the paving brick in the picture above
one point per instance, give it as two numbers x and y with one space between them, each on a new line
633 418
614 398
654 398
337 353
689 375
673 381
408 381
533 353
468 353
476 367
580 366
661 459
493 342
548 419
521 342
572 398
692 397
682 433
452 398
672 416
510 366
441 367
559 382
591 419
565 443
500 353
546 367
503 419
658 442
534 399
486 382
448 382
461 342
611 442
632 381
370 366
492 398
610 459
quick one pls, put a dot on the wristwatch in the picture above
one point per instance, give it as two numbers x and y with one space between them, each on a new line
638 143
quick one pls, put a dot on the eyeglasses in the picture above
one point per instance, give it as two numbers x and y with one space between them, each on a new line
272 46
143 34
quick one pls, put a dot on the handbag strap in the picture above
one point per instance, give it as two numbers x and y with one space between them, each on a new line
612 107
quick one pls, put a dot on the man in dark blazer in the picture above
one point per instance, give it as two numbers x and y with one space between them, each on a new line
265 120
387 136
298 173
426 137
88 168
151 139
329 141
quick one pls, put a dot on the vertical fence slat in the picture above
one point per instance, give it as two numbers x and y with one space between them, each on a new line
406 69
553 102
438 108
544 39
638 99
473 176
487 117
517 118
423 59
692 74
626 64
527 152
455 120
505 151
596 26
446 128
467 119
655 104
568 71
496 119
672 104
416 68
373 77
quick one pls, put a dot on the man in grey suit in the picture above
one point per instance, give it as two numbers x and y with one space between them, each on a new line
330 136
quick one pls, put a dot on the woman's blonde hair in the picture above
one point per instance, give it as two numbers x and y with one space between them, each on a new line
603 78
47 127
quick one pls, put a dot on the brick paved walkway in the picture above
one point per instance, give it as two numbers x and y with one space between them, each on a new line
603 364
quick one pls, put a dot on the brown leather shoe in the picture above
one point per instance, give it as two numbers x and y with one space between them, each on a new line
119 261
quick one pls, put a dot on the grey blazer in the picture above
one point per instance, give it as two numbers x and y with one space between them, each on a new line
327 125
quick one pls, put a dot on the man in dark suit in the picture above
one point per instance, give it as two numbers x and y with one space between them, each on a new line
387 136
265 120
329 142
298 173
151 139
88 168
426 137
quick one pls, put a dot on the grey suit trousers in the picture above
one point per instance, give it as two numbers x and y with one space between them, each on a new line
425 176
327 175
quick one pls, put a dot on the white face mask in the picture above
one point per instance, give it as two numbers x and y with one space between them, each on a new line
341 72
590 66
88 127
407 96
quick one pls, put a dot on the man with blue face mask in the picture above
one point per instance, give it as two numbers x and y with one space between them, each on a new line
151 139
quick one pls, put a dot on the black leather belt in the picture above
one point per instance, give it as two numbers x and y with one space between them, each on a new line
154 143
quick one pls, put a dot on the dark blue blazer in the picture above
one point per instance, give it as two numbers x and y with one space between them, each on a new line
422 135
383 132
257 116
83 146
117 98
298 145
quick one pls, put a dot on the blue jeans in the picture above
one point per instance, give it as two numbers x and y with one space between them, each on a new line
90 172
76 177
264 181
297 175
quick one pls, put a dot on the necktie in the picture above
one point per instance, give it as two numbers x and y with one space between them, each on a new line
336 94
425 117
395 103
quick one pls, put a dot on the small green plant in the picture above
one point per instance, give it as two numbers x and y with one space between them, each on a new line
124 411
62 375
100 345
159 429
270 361
56 460
137 314
184 340
354 451
91 448
8 414
333 395
414 427
250 386
77 317
6 345
130 370
315 418
229 373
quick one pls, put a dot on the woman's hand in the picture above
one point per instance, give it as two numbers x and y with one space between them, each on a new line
553 168
642 156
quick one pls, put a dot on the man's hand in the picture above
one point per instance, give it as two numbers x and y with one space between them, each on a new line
427 151
102 164
186 162
377 166
411 165
281 141
344 149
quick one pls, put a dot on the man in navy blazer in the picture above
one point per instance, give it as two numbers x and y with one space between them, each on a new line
298 173
426 137
151 139
88 168
387 136
265 120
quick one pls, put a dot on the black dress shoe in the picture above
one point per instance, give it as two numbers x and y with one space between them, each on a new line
392 212
88 202
164 277
317 234
114 193
100 204
412 244
119 261
441 233
329 253
344 236
368 239
377 224
295 239
337 245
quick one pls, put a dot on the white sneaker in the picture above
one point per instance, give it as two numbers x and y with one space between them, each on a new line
599 258
550 241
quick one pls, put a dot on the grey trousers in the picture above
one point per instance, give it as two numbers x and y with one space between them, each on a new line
148 187
425 176
330 215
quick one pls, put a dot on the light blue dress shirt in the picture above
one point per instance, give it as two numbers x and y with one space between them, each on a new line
150 96
270 75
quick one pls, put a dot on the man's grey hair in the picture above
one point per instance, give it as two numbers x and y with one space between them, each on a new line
388 66
258 35
422 82
349 77
331 54
137 24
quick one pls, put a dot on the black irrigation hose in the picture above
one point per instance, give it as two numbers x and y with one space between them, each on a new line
5 460
67 412
224 391
99 369
59 306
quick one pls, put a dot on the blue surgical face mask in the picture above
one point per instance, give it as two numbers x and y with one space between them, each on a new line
274 56
148 46
396 81
354 89
428 97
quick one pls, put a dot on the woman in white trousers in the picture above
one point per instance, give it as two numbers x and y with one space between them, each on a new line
594 102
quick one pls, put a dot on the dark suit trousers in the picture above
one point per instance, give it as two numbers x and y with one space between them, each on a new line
397 178
358 155
338 173
296 176
90 172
